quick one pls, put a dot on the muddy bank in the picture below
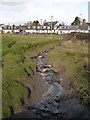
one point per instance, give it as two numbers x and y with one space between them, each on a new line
80 36
38 88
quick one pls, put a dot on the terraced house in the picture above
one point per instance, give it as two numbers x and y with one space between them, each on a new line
88 16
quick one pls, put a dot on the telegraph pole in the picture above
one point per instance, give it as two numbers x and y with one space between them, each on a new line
41 23
80 18
51 25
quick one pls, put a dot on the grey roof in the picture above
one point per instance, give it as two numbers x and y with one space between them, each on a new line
22 27
1 24
88 23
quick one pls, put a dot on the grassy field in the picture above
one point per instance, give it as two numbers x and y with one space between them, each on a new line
0 77
16 53
72 58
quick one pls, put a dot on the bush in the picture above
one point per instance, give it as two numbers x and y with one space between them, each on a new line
2 32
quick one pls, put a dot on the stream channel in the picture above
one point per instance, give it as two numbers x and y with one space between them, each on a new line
56 103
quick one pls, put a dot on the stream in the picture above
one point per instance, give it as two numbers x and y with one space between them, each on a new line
49 104
56 103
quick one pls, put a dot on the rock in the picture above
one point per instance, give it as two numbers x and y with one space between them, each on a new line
57 99
57 80
38 68
46 70
54 109
43 74
76 61
61 79
69 42
39 57
54 70
49 66
49 102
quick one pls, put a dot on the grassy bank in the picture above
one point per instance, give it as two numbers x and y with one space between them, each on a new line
71 59
17 51
0 76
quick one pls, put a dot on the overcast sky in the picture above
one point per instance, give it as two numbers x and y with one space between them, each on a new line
21 11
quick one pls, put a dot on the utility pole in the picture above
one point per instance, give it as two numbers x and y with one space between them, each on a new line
41 23
51 25
80 18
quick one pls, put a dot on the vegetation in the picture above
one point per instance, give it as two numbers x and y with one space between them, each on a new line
76 21
2 32
35 23
17 51
72 57
0 76
84 25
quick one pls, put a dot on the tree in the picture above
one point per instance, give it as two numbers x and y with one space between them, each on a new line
2 32
35 23
76 21
84 25
29 23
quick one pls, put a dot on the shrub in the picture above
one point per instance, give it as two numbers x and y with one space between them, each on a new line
2 32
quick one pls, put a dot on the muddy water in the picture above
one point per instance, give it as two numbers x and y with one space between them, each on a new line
49 103
55 103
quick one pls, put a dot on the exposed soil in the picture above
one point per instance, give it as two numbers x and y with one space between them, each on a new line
64 80
38 88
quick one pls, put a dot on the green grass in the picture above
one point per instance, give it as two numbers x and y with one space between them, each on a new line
12 92
0 76
72 58
18 57
15 59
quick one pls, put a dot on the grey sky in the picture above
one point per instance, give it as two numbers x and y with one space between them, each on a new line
19 11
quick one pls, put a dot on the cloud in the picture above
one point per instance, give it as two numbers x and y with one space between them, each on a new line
70 1
12 6
44 1
14 1
62 1
24 10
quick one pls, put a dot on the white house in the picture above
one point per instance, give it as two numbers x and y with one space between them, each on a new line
88 16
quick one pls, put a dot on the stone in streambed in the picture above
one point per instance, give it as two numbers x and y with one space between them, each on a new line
47 66
46 70
40 57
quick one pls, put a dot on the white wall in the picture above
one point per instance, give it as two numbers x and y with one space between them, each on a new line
16 31
6 31
49 31
0 28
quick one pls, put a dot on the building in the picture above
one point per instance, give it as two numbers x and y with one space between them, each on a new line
88 16
22 28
